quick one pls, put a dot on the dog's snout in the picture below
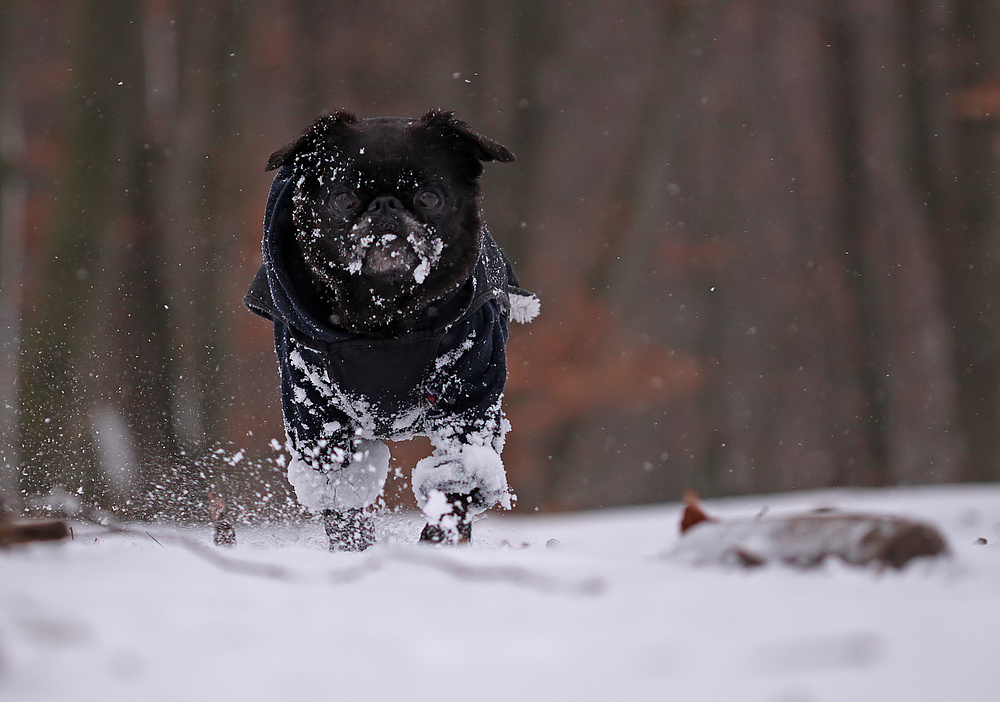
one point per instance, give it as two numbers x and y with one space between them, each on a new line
384 204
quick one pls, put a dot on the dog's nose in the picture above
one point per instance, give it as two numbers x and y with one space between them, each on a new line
385 204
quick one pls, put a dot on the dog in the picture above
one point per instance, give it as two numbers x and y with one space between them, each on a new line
390 302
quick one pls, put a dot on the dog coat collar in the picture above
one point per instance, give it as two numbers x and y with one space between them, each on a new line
273 295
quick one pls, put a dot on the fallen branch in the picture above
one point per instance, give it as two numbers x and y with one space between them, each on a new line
22 531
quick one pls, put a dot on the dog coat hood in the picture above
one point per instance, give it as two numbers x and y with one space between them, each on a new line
451 363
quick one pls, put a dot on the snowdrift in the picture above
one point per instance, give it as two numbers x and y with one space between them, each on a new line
594 606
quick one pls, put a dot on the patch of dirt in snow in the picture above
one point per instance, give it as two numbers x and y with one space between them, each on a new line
582 607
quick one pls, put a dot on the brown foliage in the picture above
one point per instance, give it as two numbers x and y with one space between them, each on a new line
980 101
578 359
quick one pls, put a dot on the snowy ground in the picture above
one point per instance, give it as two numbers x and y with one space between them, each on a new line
581 607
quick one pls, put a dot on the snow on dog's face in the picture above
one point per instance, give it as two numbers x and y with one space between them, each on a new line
385 212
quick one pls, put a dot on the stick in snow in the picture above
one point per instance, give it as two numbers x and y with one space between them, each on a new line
225 534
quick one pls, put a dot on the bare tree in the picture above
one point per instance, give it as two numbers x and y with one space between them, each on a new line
12 245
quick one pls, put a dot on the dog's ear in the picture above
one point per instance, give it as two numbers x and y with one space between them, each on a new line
482 147
322 128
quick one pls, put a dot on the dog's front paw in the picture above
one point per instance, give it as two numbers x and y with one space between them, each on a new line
463 470
350 530
448 518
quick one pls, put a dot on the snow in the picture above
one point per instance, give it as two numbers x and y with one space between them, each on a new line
356 485
437 506
461 468
428 248
573 607
524 307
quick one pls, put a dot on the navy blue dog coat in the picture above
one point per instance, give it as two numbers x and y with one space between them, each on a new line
343 393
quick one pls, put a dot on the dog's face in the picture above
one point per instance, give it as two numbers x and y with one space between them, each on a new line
385 212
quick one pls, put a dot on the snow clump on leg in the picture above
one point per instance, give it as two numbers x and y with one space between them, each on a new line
339 488
463 470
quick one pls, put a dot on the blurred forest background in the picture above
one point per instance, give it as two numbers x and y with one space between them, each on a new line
765 234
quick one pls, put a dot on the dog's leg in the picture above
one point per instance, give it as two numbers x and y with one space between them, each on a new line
334 469
350 530
449 521
464 476
342 484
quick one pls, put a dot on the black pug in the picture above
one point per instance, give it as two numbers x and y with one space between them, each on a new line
390 304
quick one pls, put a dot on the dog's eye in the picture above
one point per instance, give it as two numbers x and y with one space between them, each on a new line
345 201
429 200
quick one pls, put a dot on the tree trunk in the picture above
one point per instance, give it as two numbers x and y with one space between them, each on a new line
962 172
786 154
66 370
12 246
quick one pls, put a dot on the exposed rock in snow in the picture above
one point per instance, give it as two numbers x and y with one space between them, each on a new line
806 539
